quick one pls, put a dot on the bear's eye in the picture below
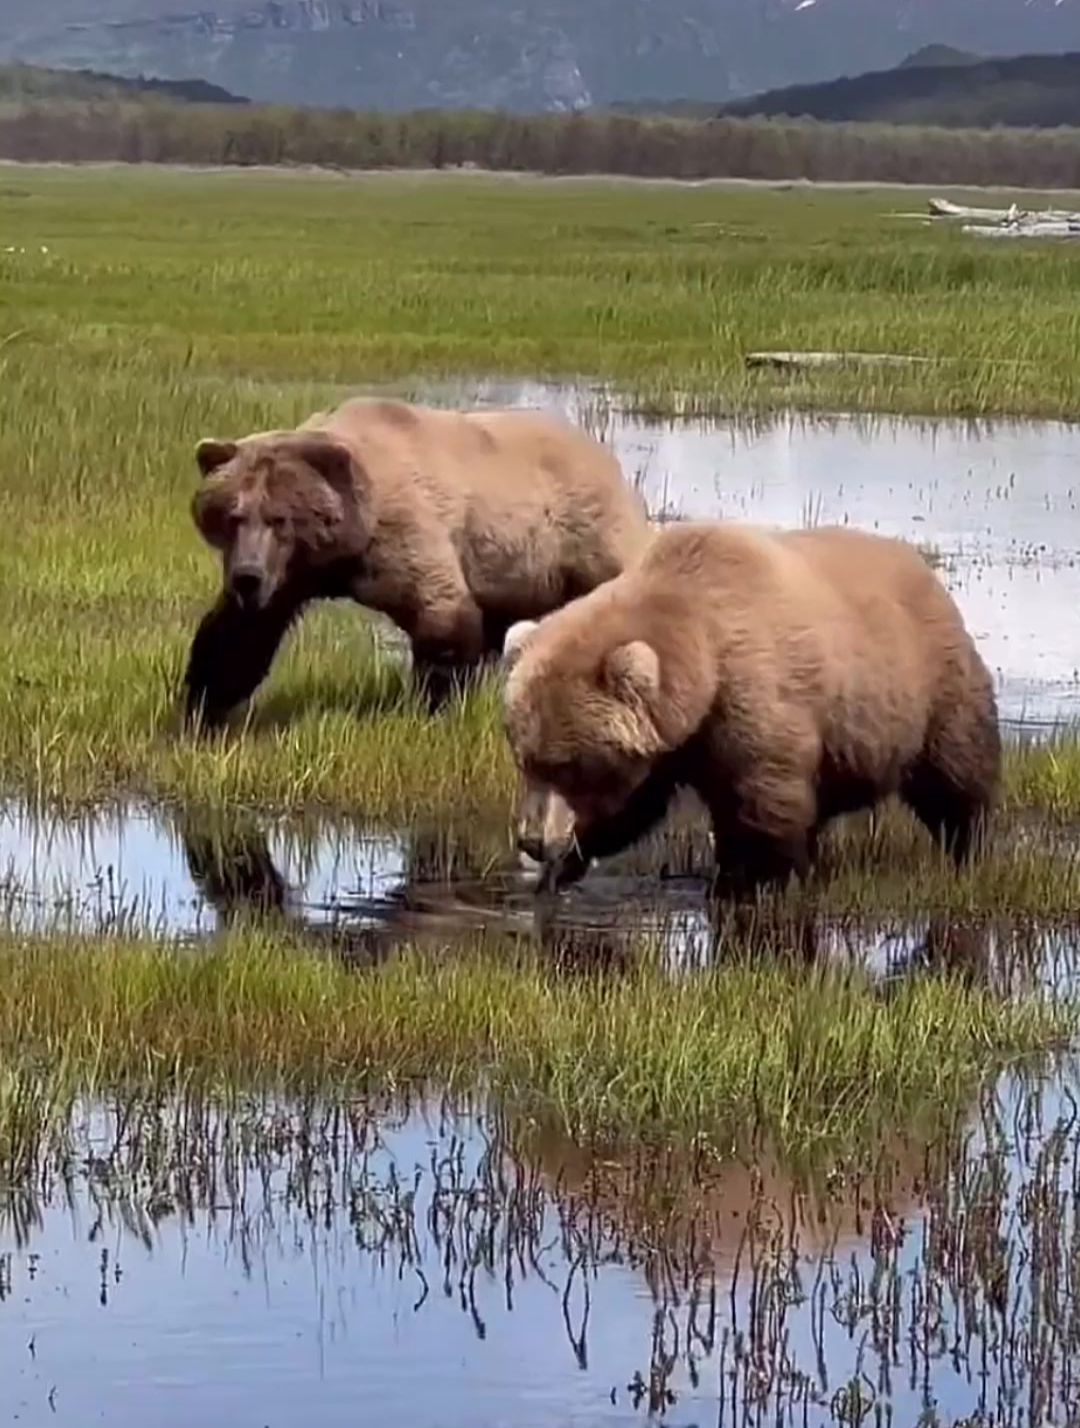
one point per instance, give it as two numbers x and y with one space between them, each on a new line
558 772
276 523
599 774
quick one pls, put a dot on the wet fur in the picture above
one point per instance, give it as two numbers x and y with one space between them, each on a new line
452 524
801 676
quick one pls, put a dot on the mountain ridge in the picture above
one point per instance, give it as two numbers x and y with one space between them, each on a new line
1024 91
518 55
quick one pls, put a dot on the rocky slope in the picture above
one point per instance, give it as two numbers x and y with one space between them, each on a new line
516 54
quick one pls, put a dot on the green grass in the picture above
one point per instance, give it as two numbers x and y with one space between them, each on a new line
807 1058
225 296
170 305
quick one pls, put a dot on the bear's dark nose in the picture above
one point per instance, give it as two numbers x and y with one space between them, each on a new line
245 585
531 846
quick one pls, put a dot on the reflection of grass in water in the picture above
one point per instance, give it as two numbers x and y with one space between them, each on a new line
480 1207
223 305
875 873
809 1057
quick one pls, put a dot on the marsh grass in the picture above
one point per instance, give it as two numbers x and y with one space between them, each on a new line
171 305
806 1056
221 282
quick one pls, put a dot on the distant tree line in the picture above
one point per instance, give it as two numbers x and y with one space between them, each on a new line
161 131
28 82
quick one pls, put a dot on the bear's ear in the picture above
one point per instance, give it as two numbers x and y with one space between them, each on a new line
333 461
631 673
514 642
210 454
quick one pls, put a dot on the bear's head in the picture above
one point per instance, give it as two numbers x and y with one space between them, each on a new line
277 507
581 718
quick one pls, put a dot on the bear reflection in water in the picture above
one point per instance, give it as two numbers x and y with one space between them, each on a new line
451 894
786 678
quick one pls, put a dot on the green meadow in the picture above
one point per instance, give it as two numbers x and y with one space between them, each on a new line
141 310
170 305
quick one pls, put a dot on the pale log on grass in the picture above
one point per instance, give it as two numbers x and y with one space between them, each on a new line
1011 222
788 361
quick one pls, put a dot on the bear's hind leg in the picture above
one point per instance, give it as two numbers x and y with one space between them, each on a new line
953 816
231 655
952 788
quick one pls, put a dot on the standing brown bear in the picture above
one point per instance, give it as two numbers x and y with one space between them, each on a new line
454 524
785 678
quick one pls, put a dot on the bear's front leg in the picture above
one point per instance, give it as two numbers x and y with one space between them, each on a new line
447 651
231 655
749 861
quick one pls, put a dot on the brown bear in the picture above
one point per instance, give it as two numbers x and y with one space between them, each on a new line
786 678
454 524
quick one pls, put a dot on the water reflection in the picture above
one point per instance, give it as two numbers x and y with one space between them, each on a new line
185 1262
358 894
997 501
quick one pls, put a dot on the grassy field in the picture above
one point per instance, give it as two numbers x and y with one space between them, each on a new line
169 305
142 310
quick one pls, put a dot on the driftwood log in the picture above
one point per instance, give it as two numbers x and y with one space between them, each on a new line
806 361
1011 222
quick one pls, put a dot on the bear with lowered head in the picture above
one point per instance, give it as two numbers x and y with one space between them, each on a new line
786 678
453 524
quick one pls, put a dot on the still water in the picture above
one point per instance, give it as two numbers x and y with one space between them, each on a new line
997 502
286 1266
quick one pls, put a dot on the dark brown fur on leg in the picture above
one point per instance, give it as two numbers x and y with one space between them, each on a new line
447 651
231 655
749 861
438 683
953 787
955 820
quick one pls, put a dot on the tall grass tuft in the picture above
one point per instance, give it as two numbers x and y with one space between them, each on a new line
807 1056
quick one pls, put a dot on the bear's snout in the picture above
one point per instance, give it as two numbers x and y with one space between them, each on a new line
246 586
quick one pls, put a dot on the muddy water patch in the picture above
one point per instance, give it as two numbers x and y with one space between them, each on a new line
273 1262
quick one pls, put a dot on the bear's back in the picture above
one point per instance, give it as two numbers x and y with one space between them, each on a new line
491 457
834 608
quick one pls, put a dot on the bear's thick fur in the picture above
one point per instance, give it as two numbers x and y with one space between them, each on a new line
454 524
786 678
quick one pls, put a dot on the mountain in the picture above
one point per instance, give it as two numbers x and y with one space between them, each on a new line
25 81
515 54
944 55
1038 91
